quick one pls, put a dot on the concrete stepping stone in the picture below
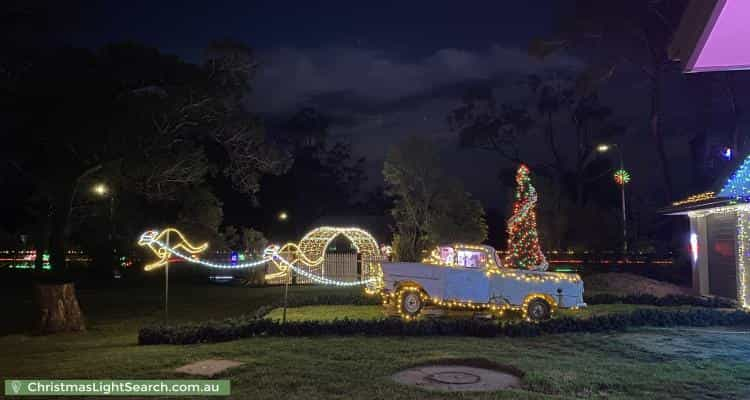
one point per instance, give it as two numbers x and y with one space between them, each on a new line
208 368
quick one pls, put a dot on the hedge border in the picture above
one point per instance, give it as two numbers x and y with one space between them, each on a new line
233 329
665 301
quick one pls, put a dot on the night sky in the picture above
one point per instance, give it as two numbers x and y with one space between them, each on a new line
387 70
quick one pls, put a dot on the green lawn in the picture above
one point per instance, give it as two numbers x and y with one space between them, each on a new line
328 313
693 363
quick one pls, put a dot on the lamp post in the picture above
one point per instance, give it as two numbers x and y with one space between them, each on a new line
621 177
102 190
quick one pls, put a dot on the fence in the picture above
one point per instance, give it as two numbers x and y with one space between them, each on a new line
345 267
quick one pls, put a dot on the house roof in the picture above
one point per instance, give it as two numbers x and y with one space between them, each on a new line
731 188
711 36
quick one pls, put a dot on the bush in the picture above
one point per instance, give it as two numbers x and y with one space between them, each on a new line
666 301
237 328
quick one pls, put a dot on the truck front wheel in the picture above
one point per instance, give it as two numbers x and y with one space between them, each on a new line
538 310
411 303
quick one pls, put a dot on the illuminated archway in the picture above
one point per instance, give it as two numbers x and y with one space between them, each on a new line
313 245
310 252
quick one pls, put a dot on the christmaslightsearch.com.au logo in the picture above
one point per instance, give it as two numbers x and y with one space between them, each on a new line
65 387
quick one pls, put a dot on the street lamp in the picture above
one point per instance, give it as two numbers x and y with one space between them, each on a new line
622 177
283 216
102 190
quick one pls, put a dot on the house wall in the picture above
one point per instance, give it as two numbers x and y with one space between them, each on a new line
739 223
722 252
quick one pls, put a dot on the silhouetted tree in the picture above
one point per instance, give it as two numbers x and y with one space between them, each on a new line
157 123
618 32
429 207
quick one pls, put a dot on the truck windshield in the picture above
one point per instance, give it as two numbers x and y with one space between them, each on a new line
471 258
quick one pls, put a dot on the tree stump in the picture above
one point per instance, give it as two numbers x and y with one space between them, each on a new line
58 309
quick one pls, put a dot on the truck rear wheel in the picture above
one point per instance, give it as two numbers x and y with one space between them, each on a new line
538 310
411 303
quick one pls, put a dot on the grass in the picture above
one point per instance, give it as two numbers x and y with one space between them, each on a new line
328 313
652 363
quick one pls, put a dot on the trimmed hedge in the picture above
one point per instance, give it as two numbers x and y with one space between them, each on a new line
232 329
666 301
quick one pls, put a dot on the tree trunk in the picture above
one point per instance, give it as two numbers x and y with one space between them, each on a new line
58 309
655 125
59 224
737 142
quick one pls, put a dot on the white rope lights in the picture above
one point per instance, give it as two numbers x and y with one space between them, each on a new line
310 252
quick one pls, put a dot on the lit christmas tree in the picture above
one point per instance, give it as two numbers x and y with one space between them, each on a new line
523 240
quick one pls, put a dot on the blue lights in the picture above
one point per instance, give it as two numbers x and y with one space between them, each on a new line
738 185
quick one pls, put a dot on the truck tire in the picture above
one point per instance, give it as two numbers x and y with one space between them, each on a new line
538 310
411 303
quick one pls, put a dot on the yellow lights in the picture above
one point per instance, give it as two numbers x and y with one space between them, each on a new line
310 253
435 258
531 276
603 148
695 198
459 305
525 307
742 213
164 243
743 228
311 249
100 189
400 298
283 216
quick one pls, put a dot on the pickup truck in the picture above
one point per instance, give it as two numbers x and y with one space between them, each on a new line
472 277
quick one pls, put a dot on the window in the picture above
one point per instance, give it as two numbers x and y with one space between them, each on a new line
471 258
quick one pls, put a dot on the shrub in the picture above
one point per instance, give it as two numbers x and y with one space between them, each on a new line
236 328
666 301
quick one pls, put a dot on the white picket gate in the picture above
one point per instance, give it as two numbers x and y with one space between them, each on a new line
345 267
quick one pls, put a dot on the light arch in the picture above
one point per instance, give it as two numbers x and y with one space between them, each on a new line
313 245
310 251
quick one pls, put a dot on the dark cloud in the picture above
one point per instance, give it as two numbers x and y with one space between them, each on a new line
375 98
290 77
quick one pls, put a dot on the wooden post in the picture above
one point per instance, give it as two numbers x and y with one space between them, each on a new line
286 294
166 285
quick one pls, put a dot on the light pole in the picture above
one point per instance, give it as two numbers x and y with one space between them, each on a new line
621 177
102 190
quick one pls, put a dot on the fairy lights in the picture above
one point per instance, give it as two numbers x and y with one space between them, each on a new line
738 185
622 177
533 276
460 255
171 242
524 251
696 198
156 242
742 213
743 227
496 308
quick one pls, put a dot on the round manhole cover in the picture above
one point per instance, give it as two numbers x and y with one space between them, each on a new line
455 378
